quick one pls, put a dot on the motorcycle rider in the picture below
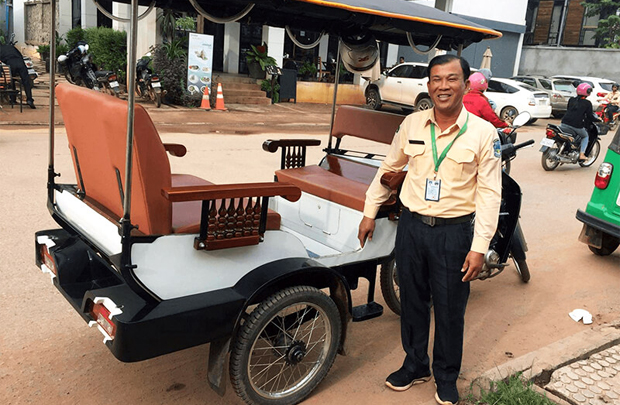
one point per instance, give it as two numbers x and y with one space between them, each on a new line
613 99
477 103
12 57
578 117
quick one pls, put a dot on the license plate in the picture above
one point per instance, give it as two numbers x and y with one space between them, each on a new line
114 84
547 142
31 72
156 84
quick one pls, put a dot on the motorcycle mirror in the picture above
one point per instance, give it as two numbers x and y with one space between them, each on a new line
148 55
62 58
521 119
86 47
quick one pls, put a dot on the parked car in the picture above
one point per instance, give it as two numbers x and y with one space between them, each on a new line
600 87
512 97
559 91
404 86
601 218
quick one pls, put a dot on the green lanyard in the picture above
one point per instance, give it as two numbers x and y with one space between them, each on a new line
445 151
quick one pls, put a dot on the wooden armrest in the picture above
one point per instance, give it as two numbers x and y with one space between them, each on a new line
393 180
272 145
175 149
220 191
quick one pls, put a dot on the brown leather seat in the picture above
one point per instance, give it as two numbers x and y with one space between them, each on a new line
96 126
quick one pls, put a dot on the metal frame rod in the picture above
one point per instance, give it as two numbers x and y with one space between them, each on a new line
131 87
52 85
337 79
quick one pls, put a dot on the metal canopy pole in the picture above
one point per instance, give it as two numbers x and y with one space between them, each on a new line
337 79
131 87
50 169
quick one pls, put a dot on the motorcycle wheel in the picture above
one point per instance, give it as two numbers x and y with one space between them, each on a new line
610 244
522 269
596 149
69 78
547 163
158 99
285 347
389 286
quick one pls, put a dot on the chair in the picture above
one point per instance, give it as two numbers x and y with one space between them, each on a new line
7 86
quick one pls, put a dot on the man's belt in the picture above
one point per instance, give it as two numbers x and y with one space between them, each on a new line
437 221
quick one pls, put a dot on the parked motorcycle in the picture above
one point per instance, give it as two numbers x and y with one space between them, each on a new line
148 85
79 70
508 242
508 135
559 147
601 112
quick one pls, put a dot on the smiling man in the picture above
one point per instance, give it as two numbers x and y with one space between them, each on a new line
454 172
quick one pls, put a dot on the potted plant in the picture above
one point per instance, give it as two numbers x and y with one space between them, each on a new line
257 59
307 71
44 51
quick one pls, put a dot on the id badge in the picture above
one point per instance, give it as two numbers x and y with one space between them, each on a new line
433 187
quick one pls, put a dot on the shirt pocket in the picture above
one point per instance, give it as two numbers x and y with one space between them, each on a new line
460 164
416 154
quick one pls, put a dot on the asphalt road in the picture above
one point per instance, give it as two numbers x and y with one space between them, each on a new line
49 355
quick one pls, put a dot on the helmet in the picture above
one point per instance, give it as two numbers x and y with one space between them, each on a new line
487 73
478 82
584 89
359 53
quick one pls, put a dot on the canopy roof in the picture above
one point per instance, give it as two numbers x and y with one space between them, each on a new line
387 20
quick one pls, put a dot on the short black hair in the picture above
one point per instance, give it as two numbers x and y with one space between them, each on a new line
447 58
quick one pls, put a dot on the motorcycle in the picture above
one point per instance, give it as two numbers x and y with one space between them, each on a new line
559 147
508 135
601 112
79 70
508 242
148 85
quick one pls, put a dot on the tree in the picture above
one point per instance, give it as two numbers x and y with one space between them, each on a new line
608 31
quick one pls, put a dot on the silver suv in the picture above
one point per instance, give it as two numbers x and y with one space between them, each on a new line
404 86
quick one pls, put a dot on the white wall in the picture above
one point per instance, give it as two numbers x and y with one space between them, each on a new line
147 27
18 21
274 37
232 33
508 11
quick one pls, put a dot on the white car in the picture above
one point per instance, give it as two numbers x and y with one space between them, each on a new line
600 87
512 97
404 86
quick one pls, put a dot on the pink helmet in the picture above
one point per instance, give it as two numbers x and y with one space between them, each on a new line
478 82
584 89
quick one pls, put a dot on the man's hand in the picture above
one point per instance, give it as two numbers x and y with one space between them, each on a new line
366 229
472 266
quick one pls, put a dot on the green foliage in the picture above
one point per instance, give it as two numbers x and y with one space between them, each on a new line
308 69
258 54
170 62
265 86
608 30
175 49
186 24
44 51
515 391
167 20
74 36
108 48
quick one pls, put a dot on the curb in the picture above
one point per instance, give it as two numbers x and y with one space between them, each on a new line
540 364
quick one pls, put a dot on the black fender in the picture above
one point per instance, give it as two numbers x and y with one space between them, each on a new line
268 279
518 246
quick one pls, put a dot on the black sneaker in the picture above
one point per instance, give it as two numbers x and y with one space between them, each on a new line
403 379
447 394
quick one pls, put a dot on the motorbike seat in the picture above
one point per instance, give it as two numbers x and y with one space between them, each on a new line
103 73
560 133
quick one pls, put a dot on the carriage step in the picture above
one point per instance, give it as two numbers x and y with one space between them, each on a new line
367 311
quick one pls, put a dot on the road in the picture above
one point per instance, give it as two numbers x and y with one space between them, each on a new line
49 355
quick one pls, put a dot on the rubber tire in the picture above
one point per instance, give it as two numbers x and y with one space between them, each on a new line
424 104
253 326
596 149
69 78
373 99
157 99
505 116
544 159
610 244
522 269
533 120
389 276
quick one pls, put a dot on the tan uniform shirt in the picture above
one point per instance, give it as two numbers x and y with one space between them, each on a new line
613 97
470 174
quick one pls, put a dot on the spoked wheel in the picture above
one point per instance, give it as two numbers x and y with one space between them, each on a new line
522 269
373 99
285 347
390 287
592 156
424 104
548 161
508 114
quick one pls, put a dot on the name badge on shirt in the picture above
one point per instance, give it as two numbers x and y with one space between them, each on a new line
433 187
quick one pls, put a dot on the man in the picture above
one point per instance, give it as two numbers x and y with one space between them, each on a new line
454 172
401 60
12 57
613 98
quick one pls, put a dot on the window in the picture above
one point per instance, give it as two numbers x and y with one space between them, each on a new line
500 87
564 86
546 84
401 71
418 72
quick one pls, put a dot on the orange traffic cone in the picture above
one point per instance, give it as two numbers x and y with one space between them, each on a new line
219 101
206 102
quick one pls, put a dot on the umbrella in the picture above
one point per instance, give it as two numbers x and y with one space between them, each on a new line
486 59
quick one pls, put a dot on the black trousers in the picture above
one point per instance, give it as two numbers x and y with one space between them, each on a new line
18 68
429 261
611 110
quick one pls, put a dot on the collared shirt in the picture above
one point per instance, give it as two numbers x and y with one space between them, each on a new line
470 174
613 97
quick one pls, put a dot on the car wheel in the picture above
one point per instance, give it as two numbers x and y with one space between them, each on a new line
424 104
373 99
508 114
533 120
609 245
